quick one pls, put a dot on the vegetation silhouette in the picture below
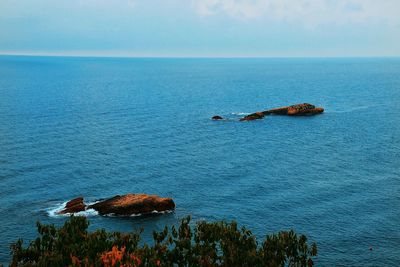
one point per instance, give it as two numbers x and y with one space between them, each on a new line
202 244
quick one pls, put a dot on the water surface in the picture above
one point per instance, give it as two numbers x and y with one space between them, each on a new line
100 127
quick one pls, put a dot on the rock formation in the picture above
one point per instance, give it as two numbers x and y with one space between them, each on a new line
124 205
295 110
73 206
217 118
133 204
253 116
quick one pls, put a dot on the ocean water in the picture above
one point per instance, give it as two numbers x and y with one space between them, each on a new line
97 127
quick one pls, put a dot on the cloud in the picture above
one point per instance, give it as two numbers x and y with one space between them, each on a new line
308 12
27 8
237 9
104 3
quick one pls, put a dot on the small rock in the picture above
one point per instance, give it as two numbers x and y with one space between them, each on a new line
217 118
253 116
73 206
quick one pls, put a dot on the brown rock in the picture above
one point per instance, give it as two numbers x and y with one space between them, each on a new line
295 110
73 206
253 116
217 118
277 111
130 204
311 111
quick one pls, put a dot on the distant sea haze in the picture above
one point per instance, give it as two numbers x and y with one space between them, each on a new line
98 127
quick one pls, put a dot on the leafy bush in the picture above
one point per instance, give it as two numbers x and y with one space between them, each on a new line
206 244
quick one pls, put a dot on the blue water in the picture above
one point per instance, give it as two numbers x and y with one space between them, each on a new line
100 127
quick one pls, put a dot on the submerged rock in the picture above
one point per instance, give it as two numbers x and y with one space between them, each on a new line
130 204
217 118
73 206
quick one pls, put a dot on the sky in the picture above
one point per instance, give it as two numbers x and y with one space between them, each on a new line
201 28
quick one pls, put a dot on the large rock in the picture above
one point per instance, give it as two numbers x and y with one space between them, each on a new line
73 206
124 205
131 204
295 110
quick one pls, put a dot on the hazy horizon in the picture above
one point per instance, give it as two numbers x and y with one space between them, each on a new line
117 55
208 28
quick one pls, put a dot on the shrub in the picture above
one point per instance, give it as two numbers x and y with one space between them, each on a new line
206 244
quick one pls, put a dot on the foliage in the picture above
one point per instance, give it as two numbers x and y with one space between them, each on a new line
206 244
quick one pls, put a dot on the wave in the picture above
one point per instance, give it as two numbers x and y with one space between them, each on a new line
54 211
139 214
240 113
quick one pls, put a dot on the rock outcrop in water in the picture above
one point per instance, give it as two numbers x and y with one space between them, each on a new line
295 110
304 109
215 118
124 205
253 116
133 204
73 206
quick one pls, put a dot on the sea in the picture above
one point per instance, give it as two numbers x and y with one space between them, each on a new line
99 127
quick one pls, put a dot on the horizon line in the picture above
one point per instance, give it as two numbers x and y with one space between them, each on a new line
105 55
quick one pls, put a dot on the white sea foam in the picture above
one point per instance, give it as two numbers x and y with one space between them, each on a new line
139 214
54 211
114 215
162 212
240 113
